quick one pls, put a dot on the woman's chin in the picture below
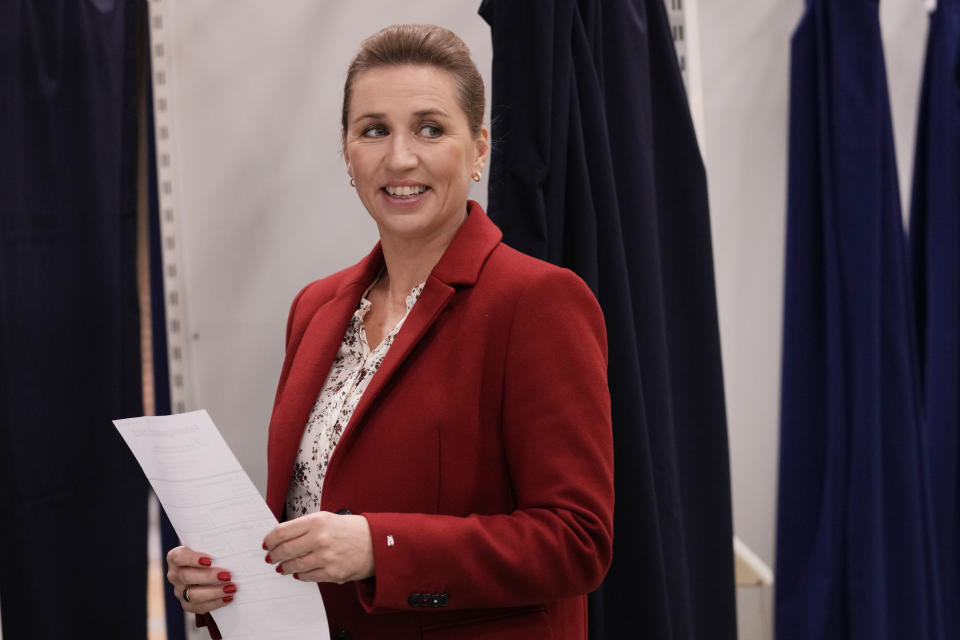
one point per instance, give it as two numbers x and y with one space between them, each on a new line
413 225
405 226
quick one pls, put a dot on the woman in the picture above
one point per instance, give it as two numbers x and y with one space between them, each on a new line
440 454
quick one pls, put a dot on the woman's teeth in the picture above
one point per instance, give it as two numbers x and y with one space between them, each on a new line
405 192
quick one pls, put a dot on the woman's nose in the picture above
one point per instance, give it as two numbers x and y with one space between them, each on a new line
401 154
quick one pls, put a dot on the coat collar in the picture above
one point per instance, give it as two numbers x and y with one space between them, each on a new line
460 265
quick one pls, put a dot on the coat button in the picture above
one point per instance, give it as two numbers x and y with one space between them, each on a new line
344 512
414 599
341 634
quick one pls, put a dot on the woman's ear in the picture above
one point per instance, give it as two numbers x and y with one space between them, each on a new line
483 149
346 154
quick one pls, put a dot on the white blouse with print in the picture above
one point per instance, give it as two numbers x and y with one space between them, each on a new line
351 372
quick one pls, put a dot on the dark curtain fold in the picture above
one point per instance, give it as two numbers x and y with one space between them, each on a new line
596 168
935 244
855 559
72 499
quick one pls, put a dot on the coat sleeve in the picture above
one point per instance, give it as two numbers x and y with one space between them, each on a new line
559 453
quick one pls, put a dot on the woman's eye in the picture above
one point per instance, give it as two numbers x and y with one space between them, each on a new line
431 131
374 131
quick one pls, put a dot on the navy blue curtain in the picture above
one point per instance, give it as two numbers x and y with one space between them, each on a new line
72 498
935 244
596 167
855 558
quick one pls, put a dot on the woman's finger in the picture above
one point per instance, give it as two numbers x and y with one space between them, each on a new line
184 557
316 575
306 562
203 599
292 529
319 566
294 548
201 595
323 574
192 575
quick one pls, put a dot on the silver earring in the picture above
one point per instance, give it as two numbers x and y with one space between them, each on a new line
476 176
353 183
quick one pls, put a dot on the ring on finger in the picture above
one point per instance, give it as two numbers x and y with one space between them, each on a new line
186 598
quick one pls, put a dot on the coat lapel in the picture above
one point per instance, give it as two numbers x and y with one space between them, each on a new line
460 265
431 303
311 362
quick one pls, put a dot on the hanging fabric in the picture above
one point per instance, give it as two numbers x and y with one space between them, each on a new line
73 502
935 244
854 537
596 168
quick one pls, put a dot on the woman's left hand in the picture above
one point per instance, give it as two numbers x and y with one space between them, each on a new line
322 547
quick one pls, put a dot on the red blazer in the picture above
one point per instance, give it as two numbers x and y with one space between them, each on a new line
481 453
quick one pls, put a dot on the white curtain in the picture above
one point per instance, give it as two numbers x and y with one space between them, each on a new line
257 182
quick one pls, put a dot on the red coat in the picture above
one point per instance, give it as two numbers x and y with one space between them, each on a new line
481 453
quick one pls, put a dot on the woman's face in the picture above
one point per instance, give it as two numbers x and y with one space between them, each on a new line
409 147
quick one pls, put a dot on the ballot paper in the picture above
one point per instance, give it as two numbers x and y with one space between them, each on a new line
217 510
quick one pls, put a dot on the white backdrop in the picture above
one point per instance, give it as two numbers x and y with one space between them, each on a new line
259 189
262 205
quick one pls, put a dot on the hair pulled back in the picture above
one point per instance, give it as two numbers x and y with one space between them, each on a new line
421 44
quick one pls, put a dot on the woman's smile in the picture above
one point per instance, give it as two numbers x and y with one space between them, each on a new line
405 195
405 191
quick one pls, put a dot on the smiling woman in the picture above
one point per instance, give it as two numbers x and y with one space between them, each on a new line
440 451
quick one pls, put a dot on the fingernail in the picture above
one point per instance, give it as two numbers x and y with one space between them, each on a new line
296 576
205 561
279 568
268 558
228 599
230 588
264 546
223 576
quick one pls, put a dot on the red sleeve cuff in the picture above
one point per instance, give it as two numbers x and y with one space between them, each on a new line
366 593
206 620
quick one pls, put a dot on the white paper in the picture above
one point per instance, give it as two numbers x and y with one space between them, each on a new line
216 509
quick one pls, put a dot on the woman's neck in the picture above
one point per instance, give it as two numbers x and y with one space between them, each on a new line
410 260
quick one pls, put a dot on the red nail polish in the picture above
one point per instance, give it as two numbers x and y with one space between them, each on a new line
264 546
230 588
279 568
268 558
228 599
205 561
296 576
223 576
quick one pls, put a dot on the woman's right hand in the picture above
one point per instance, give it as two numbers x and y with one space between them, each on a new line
207 587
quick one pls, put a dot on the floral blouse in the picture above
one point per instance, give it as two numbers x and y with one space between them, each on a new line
351 372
